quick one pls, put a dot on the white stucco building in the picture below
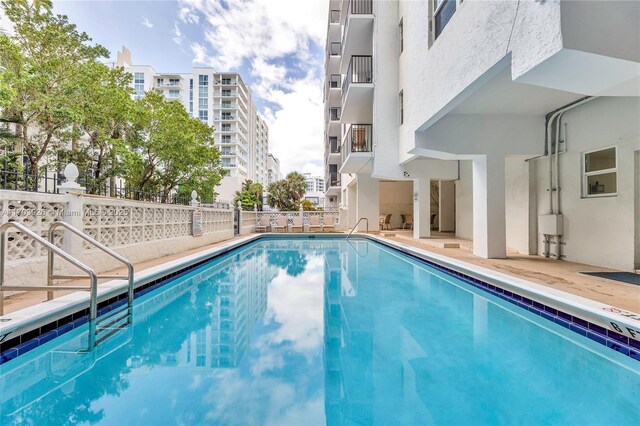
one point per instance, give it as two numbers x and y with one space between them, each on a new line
273 169
512 123
315 189
222 100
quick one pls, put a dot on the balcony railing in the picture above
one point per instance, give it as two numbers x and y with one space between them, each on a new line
356 7
358 140
360 71
334 146
360 7
333 180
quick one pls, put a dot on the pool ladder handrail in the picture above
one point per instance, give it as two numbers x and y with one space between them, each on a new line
49 288
113 254
356 226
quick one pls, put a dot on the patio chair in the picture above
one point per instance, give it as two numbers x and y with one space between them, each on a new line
298 223
281 224
327 222
381 221
263 223
387 222
407 221
314 223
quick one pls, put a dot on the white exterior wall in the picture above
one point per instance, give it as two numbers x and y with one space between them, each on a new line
599 231
520 205
386 116
464 202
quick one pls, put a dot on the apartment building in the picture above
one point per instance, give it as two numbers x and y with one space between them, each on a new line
315 189
511 124
223 101
273 169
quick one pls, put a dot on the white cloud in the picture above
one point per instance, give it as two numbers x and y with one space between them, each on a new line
146 22
260 34
199 54
177 34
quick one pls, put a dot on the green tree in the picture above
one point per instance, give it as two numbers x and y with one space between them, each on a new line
308 206
286 194
106 107
43 62
166 150
250 195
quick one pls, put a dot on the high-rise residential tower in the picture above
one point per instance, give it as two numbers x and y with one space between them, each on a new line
223 101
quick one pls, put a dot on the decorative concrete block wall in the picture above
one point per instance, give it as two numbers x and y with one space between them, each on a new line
139 231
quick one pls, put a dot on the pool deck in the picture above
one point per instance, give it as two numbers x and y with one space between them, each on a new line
560 275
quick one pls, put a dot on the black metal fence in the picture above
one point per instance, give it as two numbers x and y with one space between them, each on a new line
48 180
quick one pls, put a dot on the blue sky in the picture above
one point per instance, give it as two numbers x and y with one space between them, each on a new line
276 45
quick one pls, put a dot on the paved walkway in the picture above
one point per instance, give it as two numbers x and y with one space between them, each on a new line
561 275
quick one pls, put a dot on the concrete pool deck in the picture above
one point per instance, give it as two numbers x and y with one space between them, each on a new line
560 275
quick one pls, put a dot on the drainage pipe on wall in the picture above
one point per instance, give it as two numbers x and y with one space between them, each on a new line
551 149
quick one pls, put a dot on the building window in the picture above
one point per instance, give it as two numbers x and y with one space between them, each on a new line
600 173
401 28
173 94
401 107
174 81
203 115
159 82
443 10
139 84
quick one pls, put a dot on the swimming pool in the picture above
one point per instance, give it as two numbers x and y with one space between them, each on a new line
314 331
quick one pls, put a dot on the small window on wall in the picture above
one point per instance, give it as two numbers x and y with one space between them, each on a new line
600 173
443 10
401 107
401 28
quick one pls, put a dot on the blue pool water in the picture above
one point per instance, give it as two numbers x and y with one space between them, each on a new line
297 332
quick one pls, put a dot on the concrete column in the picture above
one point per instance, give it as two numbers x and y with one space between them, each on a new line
422 208
74 214
447 201
367 202
489 236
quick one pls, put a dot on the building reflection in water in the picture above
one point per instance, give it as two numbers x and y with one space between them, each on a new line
241 302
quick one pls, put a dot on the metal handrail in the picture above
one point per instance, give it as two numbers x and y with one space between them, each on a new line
93 287
356 226
98 245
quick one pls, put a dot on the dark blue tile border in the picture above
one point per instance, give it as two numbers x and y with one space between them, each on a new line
597 333
616 341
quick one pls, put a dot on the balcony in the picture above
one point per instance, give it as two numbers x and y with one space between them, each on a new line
357 91
332 184
333 120
357 36
332 153
332 89
357 148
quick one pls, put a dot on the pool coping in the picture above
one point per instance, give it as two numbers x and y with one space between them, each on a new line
26 329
